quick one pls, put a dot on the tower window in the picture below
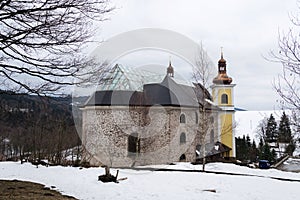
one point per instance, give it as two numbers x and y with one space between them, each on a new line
182 138
182 118
133 144
224 99
196 116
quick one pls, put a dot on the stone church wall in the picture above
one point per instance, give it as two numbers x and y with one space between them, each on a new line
106 131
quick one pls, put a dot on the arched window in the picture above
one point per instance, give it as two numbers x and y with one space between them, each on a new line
224 99
182 138
212 136
196 117
133 144
182 118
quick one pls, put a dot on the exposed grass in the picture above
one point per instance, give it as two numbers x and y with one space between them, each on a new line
27 190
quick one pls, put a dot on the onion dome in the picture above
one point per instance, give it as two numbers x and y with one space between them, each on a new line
222 77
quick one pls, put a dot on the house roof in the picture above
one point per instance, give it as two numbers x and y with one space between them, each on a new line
168 92
121 87
110 97
212 149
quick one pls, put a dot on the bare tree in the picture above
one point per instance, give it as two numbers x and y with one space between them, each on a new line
261 129
202 75
287 85
43 41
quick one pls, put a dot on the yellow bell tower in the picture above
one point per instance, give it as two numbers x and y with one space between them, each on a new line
223 96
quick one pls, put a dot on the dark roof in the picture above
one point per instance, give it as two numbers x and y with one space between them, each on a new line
240 109
216 148
109 97
166 93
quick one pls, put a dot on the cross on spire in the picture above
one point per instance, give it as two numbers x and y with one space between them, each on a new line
221 52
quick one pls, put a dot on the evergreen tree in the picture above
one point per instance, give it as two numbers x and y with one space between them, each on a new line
271 130
273 156
260 148
284 129
241 149
253 153
266 153
248 141
245 150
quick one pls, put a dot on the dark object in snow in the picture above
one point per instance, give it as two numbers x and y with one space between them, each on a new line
210 190
263 164
107 177
122 179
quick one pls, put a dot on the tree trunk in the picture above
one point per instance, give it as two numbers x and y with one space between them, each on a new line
107 170
204 159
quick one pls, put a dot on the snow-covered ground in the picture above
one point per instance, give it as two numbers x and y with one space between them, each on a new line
291 164
83 184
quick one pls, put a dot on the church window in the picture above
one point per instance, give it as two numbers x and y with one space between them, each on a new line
224 99
196 116
182 138
133 144
182 118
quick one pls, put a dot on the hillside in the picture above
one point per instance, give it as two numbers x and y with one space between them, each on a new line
35 128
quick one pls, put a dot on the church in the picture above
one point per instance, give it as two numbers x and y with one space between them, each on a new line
137 117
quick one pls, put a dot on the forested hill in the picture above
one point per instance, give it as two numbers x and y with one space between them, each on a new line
42 126
14 102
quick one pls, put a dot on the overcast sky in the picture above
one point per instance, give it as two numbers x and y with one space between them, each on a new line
247 30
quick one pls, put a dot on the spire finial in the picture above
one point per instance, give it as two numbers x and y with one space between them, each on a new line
170 69
221 52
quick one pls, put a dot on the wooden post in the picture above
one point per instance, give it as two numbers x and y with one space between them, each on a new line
117 174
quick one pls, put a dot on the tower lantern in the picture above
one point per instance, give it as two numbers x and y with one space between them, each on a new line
222 77
170 70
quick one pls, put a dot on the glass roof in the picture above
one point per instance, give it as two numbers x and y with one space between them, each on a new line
127 78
